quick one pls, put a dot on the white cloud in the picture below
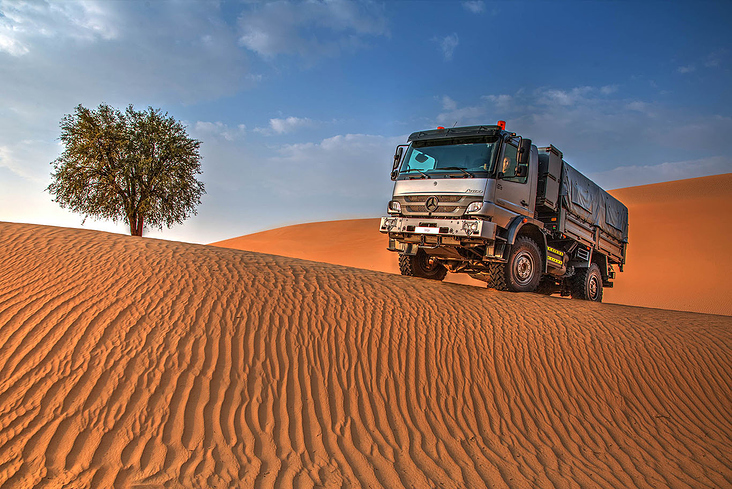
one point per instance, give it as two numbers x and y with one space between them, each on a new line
686 69
563 97
281 126
309 29
448 103
638 106
627 176
453 114
40 153
286 125
501 102
474 6
22 23
448 44
218 129
11 45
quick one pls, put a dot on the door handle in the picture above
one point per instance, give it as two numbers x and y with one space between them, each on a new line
524 203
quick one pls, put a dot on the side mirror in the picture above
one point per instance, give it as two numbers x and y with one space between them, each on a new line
397 159
524 152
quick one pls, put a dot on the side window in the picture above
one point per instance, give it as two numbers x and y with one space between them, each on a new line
508 165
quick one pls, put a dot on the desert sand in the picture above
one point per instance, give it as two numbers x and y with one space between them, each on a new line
678 255
134 362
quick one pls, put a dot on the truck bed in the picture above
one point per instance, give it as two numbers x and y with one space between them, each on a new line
574 205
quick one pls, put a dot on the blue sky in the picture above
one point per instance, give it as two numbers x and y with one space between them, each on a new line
299 105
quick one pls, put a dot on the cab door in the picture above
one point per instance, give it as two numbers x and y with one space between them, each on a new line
513 192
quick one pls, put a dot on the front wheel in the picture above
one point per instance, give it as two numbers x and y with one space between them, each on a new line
587 284
523 270
421 265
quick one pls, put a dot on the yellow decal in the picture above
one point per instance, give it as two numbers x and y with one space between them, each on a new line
556 252
552 259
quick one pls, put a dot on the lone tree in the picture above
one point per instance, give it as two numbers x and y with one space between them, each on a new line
136 166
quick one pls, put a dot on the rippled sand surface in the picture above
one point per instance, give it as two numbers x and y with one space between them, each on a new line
129 362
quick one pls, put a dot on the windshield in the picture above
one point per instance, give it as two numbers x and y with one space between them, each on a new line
451 158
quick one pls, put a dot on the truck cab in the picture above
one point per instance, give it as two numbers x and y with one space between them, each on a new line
480 200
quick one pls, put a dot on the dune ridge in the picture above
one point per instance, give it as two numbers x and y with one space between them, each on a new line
130 362
677 259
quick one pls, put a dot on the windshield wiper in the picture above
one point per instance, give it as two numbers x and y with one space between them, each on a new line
457 168
416 169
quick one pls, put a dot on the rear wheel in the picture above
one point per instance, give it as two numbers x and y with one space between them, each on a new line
421 265
587 284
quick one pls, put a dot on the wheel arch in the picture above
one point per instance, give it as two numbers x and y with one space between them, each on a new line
521 226
600 260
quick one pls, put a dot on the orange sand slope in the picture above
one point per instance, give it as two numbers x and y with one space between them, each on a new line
137 362
678 257
680 246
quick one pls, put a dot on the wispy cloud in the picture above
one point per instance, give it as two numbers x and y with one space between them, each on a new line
686 69
309 29
447 45
326 169
22 23
474 6
286 125
204 129
627 176
715 59
453 114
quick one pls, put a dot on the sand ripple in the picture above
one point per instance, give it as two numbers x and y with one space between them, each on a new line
128 362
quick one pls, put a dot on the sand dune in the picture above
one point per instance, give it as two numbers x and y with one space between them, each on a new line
132 362
680 235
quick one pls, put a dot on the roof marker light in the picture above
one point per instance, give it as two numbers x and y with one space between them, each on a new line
502 125
440 127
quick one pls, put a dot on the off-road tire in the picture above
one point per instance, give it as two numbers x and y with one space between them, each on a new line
419 265
497 278
587 284
522 272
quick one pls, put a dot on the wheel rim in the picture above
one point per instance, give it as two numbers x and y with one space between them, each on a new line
523 268
428 264
593 288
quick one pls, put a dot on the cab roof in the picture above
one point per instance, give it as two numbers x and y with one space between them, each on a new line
457 132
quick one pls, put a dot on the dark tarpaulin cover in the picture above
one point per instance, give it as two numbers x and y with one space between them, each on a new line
586 200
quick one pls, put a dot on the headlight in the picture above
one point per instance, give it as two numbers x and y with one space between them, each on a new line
394 207
474 207
389 223
470 227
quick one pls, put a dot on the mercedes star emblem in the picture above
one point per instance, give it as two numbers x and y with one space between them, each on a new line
431 204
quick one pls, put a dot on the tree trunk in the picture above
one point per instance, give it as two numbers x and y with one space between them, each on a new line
136 223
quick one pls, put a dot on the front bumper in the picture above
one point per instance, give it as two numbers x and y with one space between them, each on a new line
457 228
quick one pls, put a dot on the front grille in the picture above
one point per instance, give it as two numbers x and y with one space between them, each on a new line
447 205
441 198
442 208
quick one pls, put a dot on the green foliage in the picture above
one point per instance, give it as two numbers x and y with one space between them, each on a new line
136 166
